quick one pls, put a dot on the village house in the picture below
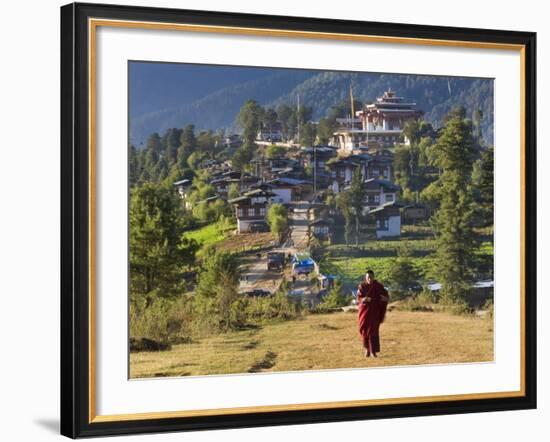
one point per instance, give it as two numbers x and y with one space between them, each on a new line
277 165
349 141
341 172
379 192
268 168
183 187
233 141
322 228
272 132
387 220
286 190
380 165
316 158
479 293
223 182
251 208
210 200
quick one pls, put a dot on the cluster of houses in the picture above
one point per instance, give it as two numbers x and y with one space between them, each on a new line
364 141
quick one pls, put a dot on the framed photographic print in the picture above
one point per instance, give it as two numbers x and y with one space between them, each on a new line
274 220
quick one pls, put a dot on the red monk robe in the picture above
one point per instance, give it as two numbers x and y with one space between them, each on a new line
373 301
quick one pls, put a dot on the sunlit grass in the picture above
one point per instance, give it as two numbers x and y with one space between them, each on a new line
209 234
326 342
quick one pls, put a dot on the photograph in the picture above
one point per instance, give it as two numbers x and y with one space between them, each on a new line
284 219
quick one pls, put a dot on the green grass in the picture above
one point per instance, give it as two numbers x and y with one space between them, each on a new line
209 234
352 270
350 264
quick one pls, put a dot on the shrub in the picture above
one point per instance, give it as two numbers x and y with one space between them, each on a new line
455 307
216 292
277 218
420 302
164 320
403 275
335 298
277 307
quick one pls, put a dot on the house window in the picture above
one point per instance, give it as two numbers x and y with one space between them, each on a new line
390 196
251 211
342 173
321 164
376 198
333 174
262 211
375 172
240 212
382 224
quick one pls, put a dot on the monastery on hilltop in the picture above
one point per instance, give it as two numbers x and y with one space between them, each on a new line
377 125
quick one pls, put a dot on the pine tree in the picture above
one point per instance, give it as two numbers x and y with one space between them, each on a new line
133 165
172 143
269 119
188 145
308 134
454 154
157 251
325 130
486 185
242 157
250 117
154 148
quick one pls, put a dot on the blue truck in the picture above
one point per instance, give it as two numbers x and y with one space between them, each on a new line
302 263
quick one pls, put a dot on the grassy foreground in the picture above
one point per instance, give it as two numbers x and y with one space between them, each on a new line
324 342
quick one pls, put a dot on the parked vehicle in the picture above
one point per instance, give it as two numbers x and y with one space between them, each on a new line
258 293
275 261
302 264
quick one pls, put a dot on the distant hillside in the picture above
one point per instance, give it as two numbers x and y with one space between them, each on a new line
218 109
322 90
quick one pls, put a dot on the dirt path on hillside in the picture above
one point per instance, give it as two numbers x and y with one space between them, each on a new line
256 276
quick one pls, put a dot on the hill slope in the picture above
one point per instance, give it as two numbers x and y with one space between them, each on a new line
218 109
325 342
322 90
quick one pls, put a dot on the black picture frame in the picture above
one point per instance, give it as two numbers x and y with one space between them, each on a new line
75 220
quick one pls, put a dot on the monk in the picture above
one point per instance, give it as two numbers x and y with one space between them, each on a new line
372 299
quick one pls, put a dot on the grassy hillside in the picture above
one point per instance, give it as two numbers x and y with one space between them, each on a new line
325 342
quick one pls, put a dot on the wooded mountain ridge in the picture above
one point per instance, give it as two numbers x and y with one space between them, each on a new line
435 95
